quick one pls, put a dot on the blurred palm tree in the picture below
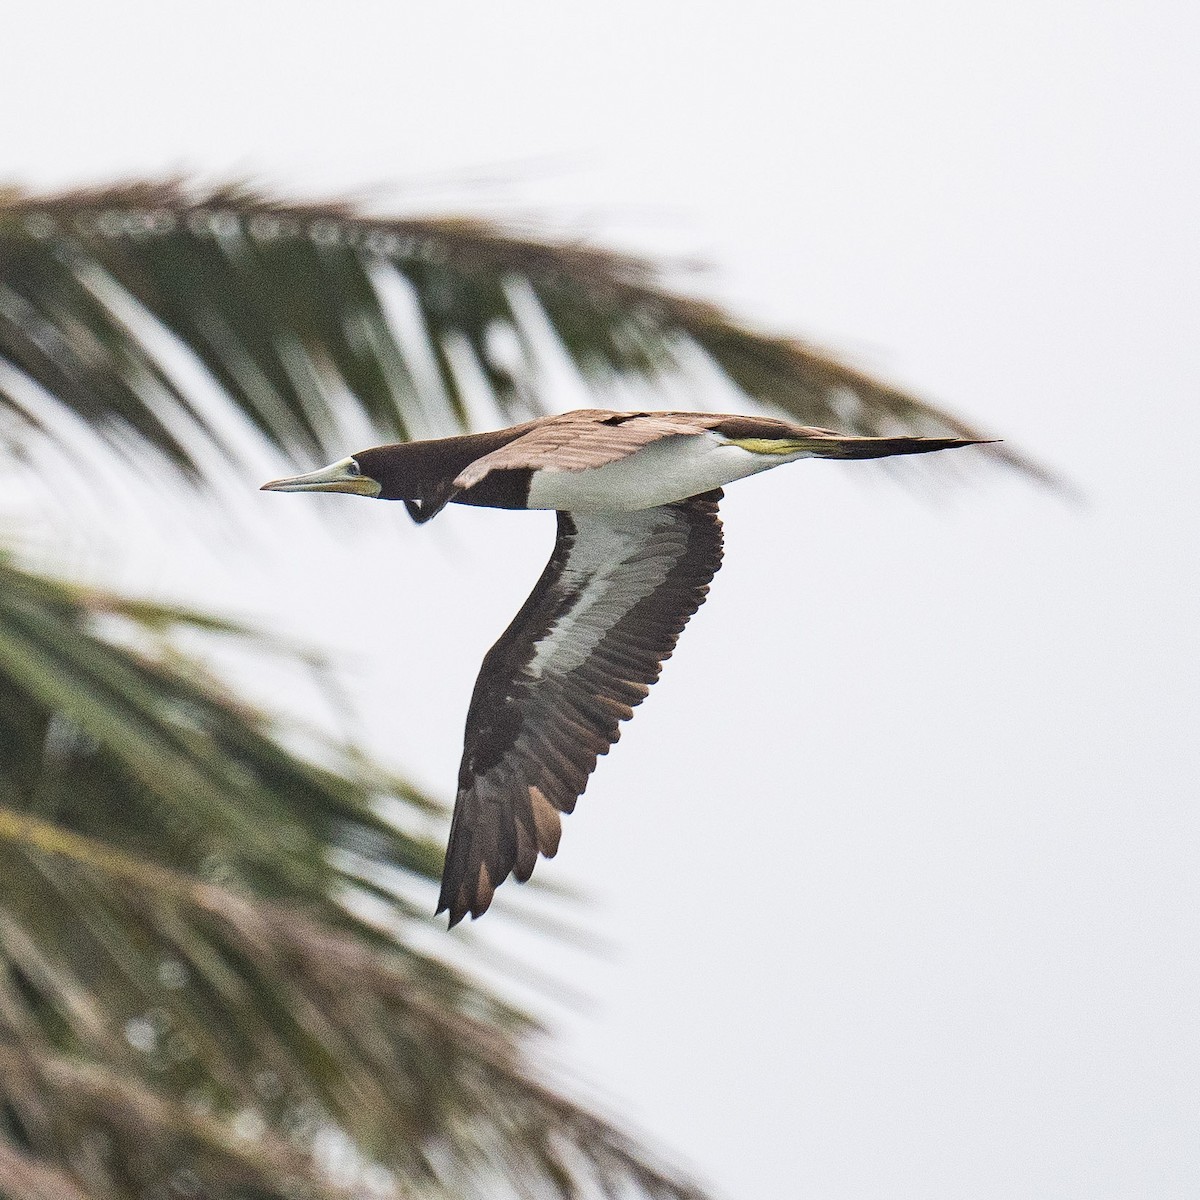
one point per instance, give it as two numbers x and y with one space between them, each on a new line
192 1001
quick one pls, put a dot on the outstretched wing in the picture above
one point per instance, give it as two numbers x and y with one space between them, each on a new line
587 437
573 441
581 653
594 437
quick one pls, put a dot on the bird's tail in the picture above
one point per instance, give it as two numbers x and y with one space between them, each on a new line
823 444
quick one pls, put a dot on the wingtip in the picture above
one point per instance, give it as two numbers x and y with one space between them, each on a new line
459 913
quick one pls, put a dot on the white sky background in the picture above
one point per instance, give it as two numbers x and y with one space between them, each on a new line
899 861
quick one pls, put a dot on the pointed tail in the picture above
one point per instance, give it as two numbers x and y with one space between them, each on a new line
825 444
839 446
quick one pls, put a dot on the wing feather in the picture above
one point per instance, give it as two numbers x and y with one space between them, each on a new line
580 656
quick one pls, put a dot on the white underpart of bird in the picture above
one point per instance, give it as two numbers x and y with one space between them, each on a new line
664 472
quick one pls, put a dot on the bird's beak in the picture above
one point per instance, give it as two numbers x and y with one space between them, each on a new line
343 476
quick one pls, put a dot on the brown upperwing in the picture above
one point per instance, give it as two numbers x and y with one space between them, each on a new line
573 441
588 437
594 437
581 653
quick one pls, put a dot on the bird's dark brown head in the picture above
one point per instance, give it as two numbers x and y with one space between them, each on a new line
405 471
425 470
392 468
412 471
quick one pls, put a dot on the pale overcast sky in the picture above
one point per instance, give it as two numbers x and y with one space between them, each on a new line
898 864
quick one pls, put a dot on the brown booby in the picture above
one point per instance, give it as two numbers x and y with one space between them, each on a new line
639 540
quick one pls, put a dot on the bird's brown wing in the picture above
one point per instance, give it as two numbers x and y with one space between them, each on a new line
595 437
581 653
574 441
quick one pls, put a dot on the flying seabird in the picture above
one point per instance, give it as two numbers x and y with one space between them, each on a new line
639 540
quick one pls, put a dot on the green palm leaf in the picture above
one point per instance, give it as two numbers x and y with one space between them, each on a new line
245 282
193 1000
177 971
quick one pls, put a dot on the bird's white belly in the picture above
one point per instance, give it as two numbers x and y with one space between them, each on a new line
661 473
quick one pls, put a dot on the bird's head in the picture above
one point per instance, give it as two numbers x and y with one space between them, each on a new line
347 475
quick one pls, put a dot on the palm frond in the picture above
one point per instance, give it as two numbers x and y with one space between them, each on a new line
176 964
132 1141
26 1177
188 977
427 308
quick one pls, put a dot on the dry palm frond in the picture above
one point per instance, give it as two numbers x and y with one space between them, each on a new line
174 962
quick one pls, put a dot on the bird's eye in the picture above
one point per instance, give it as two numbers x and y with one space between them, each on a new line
352 468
